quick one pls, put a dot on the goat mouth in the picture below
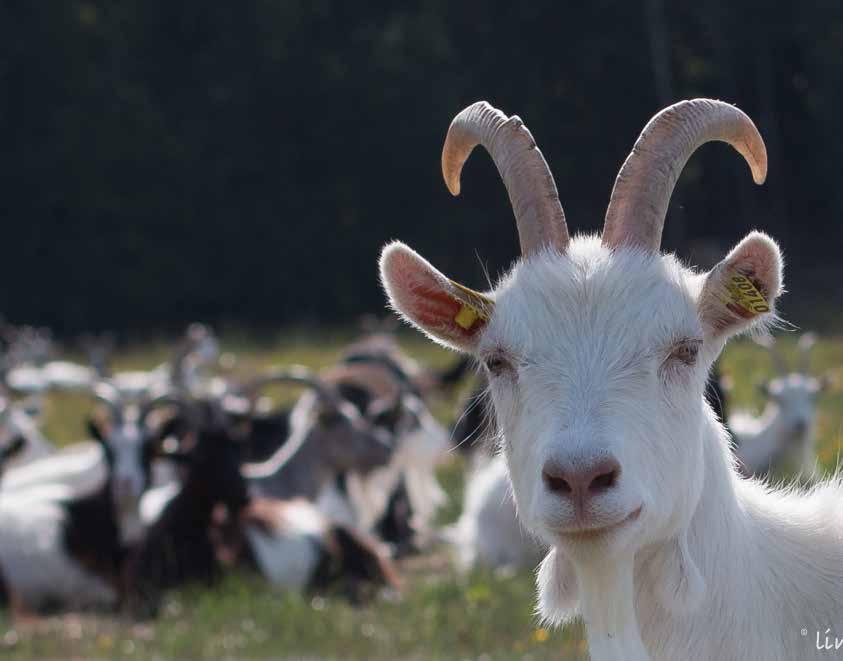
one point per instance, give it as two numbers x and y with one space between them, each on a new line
586 534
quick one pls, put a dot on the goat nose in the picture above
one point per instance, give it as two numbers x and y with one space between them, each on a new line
581 479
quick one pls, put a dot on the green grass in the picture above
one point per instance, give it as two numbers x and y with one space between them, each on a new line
438 614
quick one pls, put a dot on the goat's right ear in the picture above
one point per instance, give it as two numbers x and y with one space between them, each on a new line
741 291
447 312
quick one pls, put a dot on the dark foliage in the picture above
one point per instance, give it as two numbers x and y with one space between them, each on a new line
167 161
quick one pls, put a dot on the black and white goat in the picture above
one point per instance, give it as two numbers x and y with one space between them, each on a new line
63 543
396 501
327 436
214 522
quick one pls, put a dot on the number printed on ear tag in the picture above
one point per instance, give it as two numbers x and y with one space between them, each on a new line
744 295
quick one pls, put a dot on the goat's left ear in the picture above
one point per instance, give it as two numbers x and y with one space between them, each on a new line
447 312
741 291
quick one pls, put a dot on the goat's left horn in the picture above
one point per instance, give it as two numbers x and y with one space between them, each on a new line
642 191
532 190
107 393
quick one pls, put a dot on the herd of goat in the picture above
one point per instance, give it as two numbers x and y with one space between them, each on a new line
189 472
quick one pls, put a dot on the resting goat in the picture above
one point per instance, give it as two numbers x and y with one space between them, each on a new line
597 351
65 535
488 531
397 501
213 522
783 437
327 436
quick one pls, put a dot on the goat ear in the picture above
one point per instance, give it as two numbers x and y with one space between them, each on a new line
447 312
557 587
741 291
680 585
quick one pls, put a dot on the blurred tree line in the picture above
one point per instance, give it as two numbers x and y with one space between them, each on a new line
243 162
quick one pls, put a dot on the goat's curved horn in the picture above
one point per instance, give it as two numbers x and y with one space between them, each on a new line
168 398
642 191
532 191
295 374
805 344
109 394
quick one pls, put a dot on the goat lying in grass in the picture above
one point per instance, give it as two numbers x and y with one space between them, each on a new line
597 352
327 436
213 522
783 437
398 500
488 531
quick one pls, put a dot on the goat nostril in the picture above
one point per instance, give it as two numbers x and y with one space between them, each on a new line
555 484
603 482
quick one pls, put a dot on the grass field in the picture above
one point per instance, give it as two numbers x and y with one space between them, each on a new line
438 614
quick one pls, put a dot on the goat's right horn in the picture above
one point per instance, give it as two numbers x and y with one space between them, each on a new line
642 191
297 375
168 398
109 394
532 191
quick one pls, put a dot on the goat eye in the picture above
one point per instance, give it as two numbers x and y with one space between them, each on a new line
686 352
497 365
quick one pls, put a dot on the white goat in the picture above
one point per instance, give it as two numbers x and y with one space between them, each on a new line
783 436
597 352
488 531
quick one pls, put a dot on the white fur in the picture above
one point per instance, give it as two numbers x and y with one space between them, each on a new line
80 467
488 531
712 567
288 556
34 563
154 500
17 421
783 436
55 374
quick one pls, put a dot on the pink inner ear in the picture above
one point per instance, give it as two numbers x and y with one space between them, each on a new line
436 308
421 293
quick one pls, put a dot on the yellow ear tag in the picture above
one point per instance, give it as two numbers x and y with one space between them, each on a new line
466 317
743 294
474 306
